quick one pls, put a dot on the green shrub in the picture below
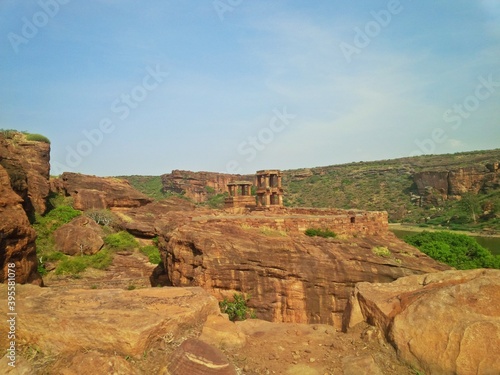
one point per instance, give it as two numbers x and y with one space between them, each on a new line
152 253
236 309
457 250
37 138
121 241
58 216
71 266
381 251
316 232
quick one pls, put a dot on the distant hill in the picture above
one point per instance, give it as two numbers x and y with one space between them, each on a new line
460 191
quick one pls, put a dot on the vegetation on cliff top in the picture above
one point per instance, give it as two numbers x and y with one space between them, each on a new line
11 133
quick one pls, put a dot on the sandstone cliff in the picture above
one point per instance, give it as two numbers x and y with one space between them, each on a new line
289 276
90 192
451 184
199 185
27 163
17 238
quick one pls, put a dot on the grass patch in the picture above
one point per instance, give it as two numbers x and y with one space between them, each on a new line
381 251
76 264
121 241
266 231
37 138
317 232
152 253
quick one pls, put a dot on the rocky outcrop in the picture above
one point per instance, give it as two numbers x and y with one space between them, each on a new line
27 163
439 185
289 276
158 217
442 323
198 186
17 238
109 321
81 236
92 192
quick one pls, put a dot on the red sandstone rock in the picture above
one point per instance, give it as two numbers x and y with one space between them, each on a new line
17 238
442 323
81 236
92 192
290 277
27 163
124 322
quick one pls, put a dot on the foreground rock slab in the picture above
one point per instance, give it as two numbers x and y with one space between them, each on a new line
443 323
126 322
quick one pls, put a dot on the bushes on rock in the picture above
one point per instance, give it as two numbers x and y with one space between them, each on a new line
317 232
152 253
237 309
121 241
457 250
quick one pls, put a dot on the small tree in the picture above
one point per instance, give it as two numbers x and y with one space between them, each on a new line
470 204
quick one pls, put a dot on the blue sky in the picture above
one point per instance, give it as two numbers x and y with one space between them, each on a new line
143 87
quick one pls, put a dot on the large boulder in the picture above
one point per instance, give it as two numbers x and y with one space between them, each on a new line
81 236
17 237
92 192
118 321
442 323
290 277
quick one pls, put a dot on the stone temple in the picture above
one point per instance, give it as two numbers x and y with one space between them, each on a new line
269 192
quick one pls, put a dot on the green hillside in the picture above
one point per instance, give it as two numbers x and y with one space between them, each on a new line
384 185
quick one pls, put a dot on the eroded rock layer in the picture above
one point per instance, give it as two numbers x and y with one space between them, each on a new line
290 277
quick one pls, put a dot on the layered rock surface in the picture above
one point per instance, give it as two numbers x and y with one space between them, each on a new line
27 163
289 276
443 323
17 238
109 321
92 192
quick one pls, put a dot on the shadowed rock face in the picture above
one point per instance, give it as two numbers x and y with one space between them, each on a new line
17 238
92 192
442 323
27 163
289 276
